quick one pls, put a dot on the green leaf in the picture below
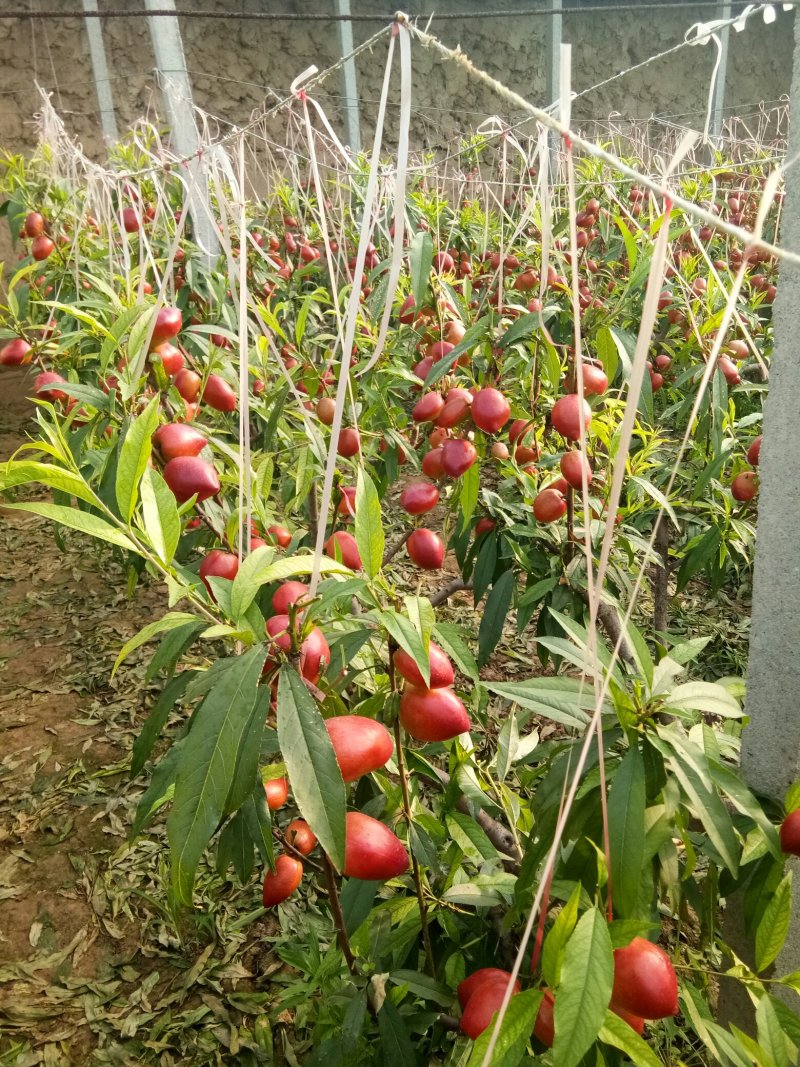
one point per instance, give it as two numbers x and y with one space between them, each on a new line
468 493
524 327
423 986
557 938
78 520
451 637
563 700
207 767
248 751
156 720
698 557
260 568
311 764
235 846
23 472
774 925
770 1034
708 697
475 334
491 625
369 533
118 330
514 1035
617 1033
655 494
587 976
626 807
607 353
690 767
407 637
162 524
258 820
160 789
420 259
630 242
422 617
507 745
87 394
133 457
397 1047
171 621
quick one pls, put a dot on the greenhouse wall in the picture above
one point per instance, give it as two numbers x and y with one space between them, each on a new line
235 63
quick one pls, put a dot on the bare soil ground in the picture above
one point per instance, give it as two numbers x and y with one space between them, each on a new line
91 970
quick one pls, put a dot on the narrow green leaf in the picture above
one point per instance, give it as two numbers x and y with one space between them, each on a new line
407 637
774 925
607 353
207 767
497 604
369 533
690 767
626 807
770 1034
134 453
157 719
248 751
556 940
584 992
160 789
422 617
630 242
235 846
442 367
525 327
617 1033
468 493
258 820
162 523
397 1046
563 700
171 621
420 258
260 568
311 764
507 744
451 637
23 472
78 520
515 1032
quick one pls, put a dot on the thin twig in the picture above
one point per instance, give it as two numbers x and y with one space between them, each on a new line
456 586
338 917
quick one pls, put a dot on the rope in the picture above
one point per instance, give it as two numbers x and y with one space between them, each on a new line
274 16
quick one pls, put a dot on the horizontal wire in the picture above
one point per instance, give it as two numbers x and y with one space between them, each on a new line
275 16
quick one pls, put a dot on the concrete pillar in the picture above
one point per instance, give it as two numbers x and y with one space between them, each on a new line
102 82
724 34
771 743
349 83
176 92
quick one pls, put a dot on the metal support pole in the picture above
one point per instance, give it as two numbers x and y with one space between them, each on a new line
349 85
102 82
176 92
722 71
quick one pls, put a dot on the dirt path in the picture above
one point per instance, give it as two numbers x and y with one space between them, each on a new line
91 970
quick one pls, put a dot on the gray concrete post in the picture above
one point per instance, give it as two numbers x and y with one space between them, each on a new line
771 742
349 83
176 91
722 71
102 82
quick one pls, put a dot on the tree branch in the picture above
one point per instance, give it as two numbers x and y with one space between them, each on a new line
500 836
456 586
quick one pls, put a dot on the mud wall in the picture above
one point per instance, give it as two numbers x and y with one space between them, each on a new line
236 63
